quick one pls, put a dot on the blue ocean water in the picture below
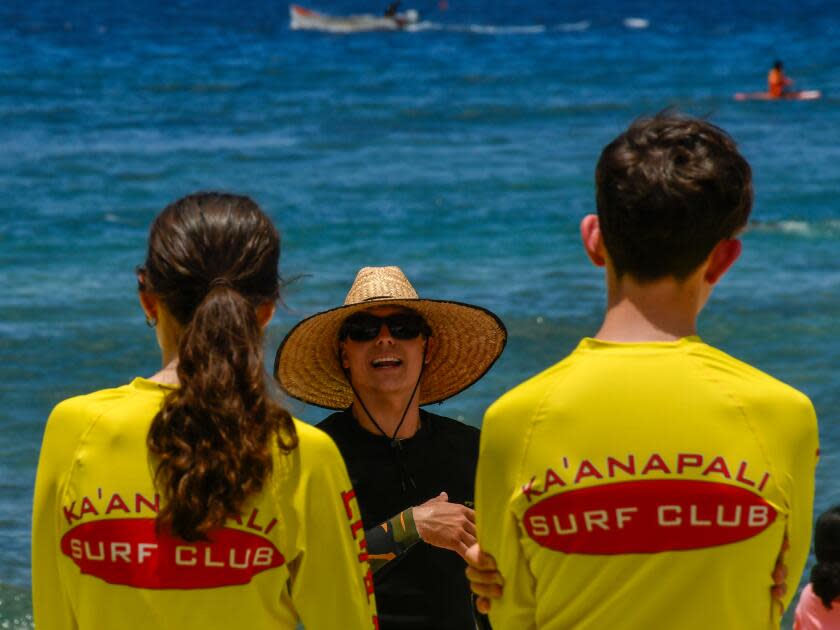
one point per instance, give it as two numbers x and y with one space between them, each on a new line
462 151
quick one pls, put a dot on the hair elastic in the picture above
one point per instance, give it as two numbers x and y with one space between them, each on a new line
220 281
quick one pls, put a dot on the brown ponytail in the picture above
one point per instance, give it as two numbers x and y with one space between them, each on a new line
212 260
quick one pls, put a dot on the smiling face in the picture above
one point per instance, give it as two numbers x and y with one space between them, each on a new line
384 366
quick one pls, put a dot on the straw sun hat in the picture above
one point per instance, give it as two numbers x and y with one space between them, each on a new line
468 340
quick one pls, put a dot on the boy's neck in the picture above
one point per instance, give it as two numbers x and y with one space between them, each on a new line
662 310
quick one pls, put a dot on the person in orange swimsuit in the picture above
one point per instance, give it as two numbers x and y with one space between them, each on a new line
777 81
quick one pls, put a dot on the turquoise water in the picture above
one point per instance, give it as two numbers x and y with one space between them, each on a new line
463 152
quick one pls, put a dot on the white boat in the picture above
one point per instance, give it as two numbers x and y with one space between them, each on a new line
307 19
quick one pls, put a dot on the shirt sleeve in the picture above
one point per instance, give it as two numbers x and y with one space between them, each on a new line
498 529
332 586
50 605
391 539
805 454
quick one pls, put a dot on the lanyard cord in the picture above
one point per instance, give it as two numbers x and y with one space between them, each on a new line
395 443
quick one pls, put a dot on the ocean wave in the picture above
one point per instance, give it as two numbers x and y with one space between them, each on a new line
636 23
15 607
798 227
149 143
480 29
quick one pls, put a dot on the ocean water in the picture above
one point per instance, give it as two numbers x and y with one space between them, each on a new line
462 151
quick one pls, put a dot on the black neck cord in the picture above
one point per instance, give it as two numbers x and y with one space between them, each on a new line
395 443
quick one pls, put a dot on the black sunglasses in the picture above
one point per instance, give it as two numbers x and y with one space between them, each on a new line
366 327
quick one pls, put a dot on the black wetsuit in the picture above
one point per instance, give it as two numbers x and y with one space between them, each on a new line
423 588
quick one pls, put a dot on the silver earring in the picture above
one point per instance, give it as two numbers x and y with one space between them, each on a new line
151 322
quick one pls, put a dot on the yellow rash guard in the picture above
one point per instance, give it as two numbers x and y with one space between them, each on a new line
645 485
297 550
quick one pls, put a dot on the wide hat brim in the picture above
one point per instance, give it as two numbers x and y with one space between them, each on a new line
468 340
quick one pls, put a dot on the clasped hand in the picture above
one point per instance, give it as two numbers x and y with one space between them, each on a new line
445 525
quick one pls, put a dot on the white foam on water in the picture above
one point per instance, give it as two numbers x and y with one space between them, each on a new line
482 29
799 228
424 26
636 22
490 29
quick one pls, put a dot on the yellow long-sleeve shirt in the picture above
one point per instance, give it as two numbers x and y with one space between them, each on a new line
297 551
645 485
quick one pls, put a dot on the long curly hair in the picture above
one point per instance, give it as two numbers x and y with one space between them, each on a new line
212 260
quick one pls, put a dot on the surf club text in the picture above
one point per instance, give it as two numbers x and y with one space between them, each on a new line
712 468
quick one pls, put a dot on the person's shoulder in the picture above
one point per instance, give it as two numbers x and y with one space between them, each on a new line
751 383
528 394
780 416
313 439
317 451
92 399
776 408
104 411
85 408
451 427
310 469
334 423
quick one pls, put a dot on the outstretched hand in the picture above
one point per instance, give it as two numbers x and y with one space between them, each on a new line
445 525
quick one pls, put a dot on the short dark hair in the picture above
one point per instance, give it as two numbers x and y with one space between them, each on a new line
668 190
825 574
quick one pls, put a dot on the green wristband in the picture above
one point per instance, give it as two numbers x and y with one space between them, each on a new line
403 529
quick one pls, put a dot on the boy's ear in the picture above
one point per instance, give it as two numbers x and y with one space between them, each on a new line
723 256
593 243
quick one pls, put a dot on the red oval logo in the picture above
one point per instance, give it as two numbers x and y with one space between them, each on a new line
647 516
130 552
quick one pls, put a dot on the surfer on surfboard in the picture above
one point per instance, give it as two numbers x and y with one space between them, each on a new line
777 82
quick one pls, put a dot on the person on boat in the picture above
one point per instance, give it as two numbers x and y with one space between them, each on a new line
819 603
648 459
191 499
777 82
379 358
391 10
